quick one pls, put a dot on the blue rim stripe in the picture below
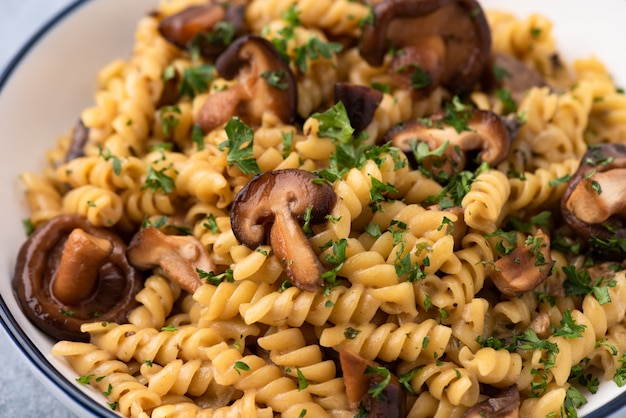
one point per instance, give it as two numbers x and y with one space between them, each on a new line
32 353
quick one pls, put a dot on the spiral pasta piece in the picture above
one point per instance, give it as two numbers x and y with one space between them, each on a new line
337 17
483 205
157 299
43 200
108 173
389 342
100 206
111 376
536 190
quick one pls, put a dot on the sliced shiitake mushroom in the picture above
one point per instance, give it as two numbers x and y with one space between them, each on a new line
594 202
275 203
463 131
435 42
208 27
182 258
503 405
69 272
361 377
265 83
524 268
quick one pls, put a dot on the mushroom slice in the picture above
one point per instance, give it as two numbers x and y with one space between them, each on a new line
524 268
504 405
180 257
265 83
463 131
209 27
279 202
361 381
515 76
69 273
594 202
80 136
438 42
360 101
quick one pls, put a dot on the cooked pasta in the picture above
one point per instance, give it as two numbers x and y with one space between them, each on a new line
412 251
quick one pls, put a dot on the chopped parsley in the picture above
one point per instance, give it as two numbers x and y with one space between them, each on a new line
580 283
169 328
28 225
85 380
211 224
240 365
240 146
215 279
385 375
197 137
276 79
351 333
196 80
157 180
169 119
302 382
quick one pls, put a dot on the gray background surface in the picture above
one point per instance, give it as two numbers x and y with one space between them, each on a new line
22 394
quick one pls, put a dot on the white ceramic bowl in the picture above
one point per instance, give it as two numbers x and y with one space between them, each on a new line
52 79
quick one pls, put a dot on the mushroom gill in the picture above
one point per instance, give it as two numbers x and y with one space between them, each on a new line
276 203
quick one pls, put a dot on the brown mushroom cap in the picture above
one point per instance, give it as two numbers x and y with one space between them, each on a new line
69 272
198 23
449 40
594 202
276 202
391 402
485 131
524 268
265 84
504 405
180 257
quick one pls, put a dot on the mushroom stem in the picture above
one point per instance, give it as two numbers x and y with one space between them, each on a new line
293 250
79 268
597 197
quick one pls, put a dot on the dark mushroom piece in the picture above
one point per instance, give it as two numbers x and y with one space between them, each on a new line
505 405
69 272
359 378
525 267
594 202
437 42
276 203
80 136
508 73
182 258
209 27
465 131
361 103
265 83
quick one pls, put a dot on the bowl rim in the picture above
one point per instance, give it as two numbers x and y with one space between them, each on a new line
32 355
20 339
